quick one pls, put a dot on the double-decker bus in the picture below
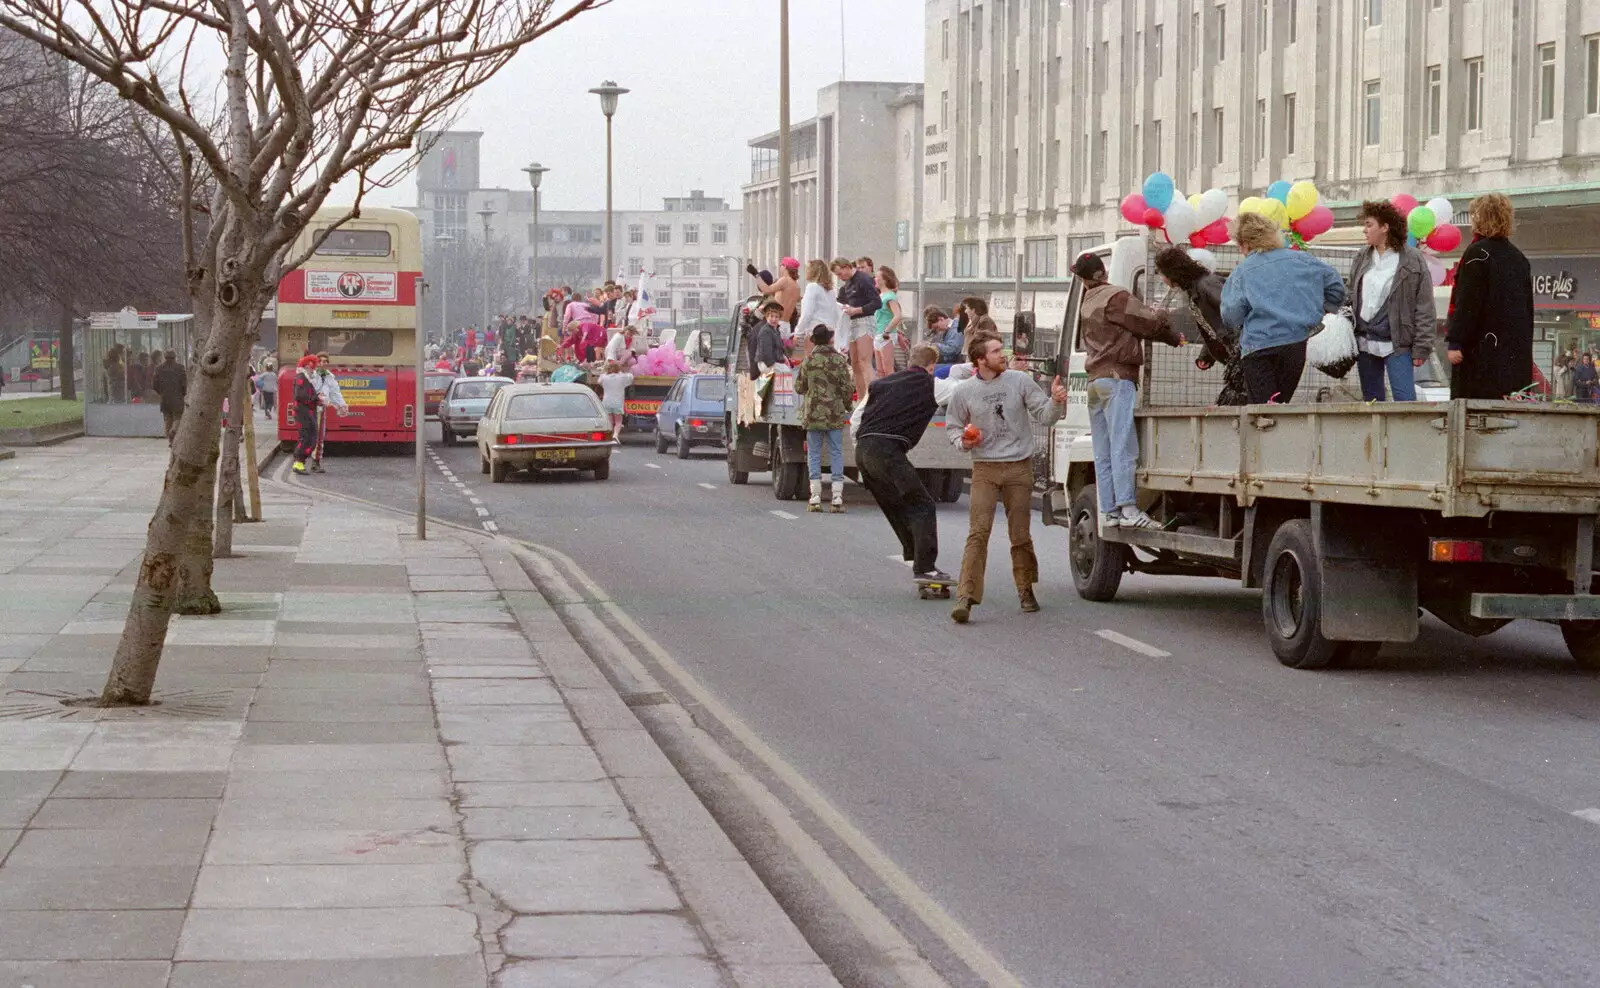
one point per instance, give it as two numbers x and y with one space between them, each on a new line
355 299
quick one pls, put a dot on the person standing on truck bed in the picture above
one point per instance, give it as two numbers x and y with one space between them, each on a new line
1491 308
1115 326
785 291
858 295
1000 405
1394 311
768 351
894 419
1204 288
818 307
1275 296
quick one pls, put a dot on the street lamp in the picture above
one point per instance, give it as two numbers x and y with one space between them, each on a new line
784 223
535 176
444 240
608 92
486 214
727 277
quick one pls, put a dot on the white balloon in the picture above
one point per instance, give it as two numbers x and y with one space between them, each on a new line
1180 220
1441 209
1213 206
1203 257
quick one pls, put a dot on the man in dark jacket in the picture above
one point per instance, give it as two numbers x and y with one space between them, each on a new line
170 382
1491 308
893 420
308 400
858 295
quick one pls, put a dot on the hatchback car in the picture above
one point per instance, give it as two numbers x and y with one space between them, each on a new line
691 414
434 385
538 427
464 403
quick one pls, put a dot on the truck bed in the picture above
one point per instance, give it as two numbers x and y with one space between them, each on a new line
1460 458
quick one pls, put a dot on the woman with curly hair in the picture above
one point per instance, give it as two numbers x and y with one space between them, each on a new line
1393 305
1204 289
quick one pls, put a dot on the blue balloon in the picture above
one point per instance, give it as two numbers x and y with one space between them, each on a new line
1411 240
1279 190
1158 191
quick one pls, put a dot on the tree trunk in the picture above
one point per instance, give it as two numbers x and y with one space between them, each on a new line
65 356
193 594
230 503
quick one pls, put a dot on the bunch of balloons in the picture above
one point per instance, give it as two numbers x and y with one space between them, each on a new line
1294 206
1429 224
1197 219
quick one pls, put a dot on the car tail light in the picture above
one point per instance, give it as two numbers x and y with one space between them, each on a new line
598 437
509 440
1455 551
698 423
409 416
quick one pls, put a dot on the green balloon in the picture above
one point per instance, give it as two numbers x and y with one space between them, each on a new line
1421 222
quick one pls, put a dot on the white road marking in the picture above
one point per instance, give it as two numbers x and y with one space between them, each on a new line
709 487
895 556
460 485
786 516
474 500
1592 814
482 512
653 466
490 526
1133 643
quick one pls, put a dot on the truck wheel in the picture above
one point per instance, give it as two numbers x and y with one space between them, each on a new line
1583 642
787 481
661 441
1291 603
1097 566
954 484
498 470
736 476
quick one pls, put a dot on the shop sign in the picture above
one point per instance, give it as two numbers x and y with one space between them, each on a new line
1565 282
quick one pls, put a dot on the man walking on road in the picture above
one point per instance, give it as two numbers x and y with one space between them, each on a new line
170 382
893 420
991 415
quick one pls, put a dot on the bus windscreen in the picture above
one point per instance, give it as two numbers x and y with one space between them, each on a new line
351 342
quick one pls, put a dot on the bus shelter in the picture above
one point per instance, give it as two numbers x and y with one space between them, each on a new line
121 353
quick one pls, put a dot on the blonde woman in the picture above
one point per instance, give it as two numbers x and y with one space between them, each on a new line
1490 337
818 307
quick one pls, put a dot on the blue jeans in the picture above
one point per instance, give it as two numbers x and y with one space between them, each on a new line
835 440
1116 444
1402 375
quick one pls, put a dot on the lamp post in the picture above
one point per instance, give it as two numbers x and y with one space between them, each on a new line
486 214
727 278
608 92
444 240
784 222
535 176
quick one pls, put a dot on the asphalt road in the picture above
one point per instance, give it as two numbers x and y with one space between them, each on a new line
1164 806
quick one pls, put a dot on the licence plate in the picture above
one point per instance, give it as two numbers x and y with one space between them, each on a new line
556 455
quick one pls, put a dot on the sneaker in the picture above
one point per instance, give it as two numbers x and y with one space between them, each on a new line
1134 518
299 466
962 611
814 506
1111 519
1030 603
935 576
316 468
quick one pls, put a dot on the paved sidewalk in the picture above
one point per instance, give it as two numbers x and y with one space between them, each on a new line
384 765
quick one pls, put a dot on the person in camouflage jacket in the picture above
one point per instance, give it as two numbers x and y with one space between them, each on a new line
826 382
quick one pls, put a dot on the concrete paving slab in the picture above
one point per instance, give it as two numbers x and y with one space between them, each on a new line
338 757
319 642
333 814
548 823
401 694
340 575
508 763
815 975
175 845
339 711
165 731
8 839
123 814
434 584
208 631
503 631
90 935
533 725
339 676
326 934
140 785
573 876
679 825
631 754
335 633
600 709
602 935
448 693
152 758
65 886
20 757
339 732
335 611
303 886
468 564
351 848
539 794
351 783
529 671
84 974
739 914
357 658
612 972
461 971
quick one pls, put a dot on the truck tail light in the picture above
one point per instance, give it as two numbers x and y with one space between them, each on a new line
409 417
1455 551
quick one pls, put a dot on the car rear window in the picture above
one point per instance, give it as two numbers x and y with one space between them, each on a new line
710 389
559 406
437 382
479 389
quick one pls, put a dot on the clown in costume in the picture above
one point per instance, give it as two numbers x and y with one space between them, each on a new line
307 401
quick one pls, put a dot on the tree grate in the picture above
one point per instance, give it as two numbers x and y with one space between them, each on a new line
180 704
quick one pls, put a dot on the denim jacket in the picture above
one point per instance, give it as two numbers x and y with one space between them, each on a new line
1275 297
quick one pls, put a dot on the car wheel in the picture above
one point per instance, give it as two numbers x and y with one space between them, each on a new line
602 470
447 434
483 461
498 469
661 441
683 445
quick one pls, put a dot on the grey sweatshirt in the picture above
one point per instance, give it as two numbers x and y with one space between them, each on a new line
1004 409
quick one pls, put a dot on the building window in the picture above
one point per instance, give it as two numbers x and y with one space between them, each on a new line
1097 168
1293 13
663 234
1261 129
1222 34
1547 82
1371 101
1592 102
1435 100
635 234
1158 50
719 302
1155 143
1288 124
719 233
944 110
944 181
999 255
719 267
691 300
1374 13
663 299
1474 94
690 267
944 39
1138 53
1194 40
635 265
1039 257
933 261
1194 140
1216 129
661 266
977 29
691 233
1079 246
966 260
1263 15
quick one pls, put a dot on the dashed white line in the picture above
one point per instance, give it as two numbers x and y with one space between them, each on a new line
460 485
475 500
1592 814
786 516
1133 644
709 487
653 466
482 512
490 526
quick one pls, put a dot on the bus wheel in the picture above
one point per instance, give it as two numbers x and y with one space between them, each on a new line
1097 566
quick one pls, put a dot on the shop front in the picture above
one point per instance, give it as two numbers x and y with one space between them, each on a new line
1566 308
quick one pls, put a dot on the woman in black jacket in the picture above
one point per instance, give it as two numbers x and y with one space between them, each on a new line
1491 308
1204 289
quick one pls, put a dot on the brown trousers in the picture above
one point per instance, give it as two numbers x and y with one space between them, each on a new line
1010 484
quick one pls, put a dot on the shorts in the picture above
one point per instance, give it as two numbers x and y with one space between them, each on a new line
860 327
612 407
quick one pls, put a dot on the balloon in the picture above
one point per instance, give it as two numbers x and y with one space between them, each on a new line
1197 238
1436 269
1441 209
1205 258
1404 203
1180 220
1411 240
1275 211
1302 199
1158 189
1194 202
1133 208
1279 190
1153 218
1216 232
1421 222
1317 222
1251 205
1213 206
1444 238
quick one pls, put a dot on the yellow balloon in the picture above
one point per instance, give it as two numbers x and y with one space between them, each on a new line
1277 212
1194 201
1303 199
1251 205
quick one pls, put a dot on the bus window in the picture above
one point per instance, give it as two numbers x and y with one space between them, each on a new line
356 243
351 342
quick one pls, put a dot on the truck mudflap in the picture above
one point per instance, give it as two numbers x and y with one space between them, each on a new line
1536 606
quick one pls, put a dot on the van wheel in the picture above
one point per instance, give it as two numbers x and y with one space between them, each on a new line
1583 642
1097 566
1291 604
498 470
661 441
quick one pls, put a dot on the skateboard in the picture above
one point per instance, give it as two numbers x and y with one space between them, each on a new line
933 590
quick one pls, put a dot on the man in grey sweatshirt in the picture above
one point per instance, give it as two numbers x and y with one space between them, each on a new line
1000 406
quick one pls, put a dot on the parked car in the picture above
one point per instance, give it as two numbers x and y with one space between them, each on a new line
538 427
691 414
434 385
464 403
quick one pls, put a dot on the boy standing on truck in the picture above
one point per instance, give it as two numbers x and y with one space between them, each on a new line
991 415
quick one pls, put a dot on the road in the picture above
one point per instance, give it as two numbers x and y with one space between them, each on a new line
1123 794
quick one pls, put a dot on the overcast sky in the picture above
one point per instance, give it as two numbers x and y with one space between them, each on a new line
704 80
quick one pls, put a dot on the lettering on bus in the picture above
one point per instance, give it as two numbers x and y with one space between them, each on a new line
341 286
364 391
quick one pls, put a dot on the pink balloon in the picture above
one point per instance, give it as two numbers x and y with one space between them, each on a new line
1404 203
1153 219
1315 223
1444 238
1133 208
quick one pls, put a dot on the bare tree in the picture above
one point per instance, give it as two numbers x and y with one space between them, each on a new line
311 93
469 262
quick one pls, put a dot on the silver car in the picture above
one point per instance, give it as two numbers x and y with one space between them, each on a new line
538 427
464 403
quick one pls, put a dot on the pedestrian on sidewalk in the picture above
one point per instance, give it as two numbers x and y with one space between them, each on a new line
267 385
991 416
308 402
893 419
825 382
1115 325
169 383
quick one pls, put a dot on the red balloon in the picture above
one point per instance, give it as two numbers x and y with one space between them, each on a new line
1153 219
1315 223
1404 203
1444 238
1133 208
1197 239
1216 232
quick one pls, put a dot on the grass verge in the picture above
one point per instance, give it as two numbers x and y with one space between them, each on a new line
30 413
